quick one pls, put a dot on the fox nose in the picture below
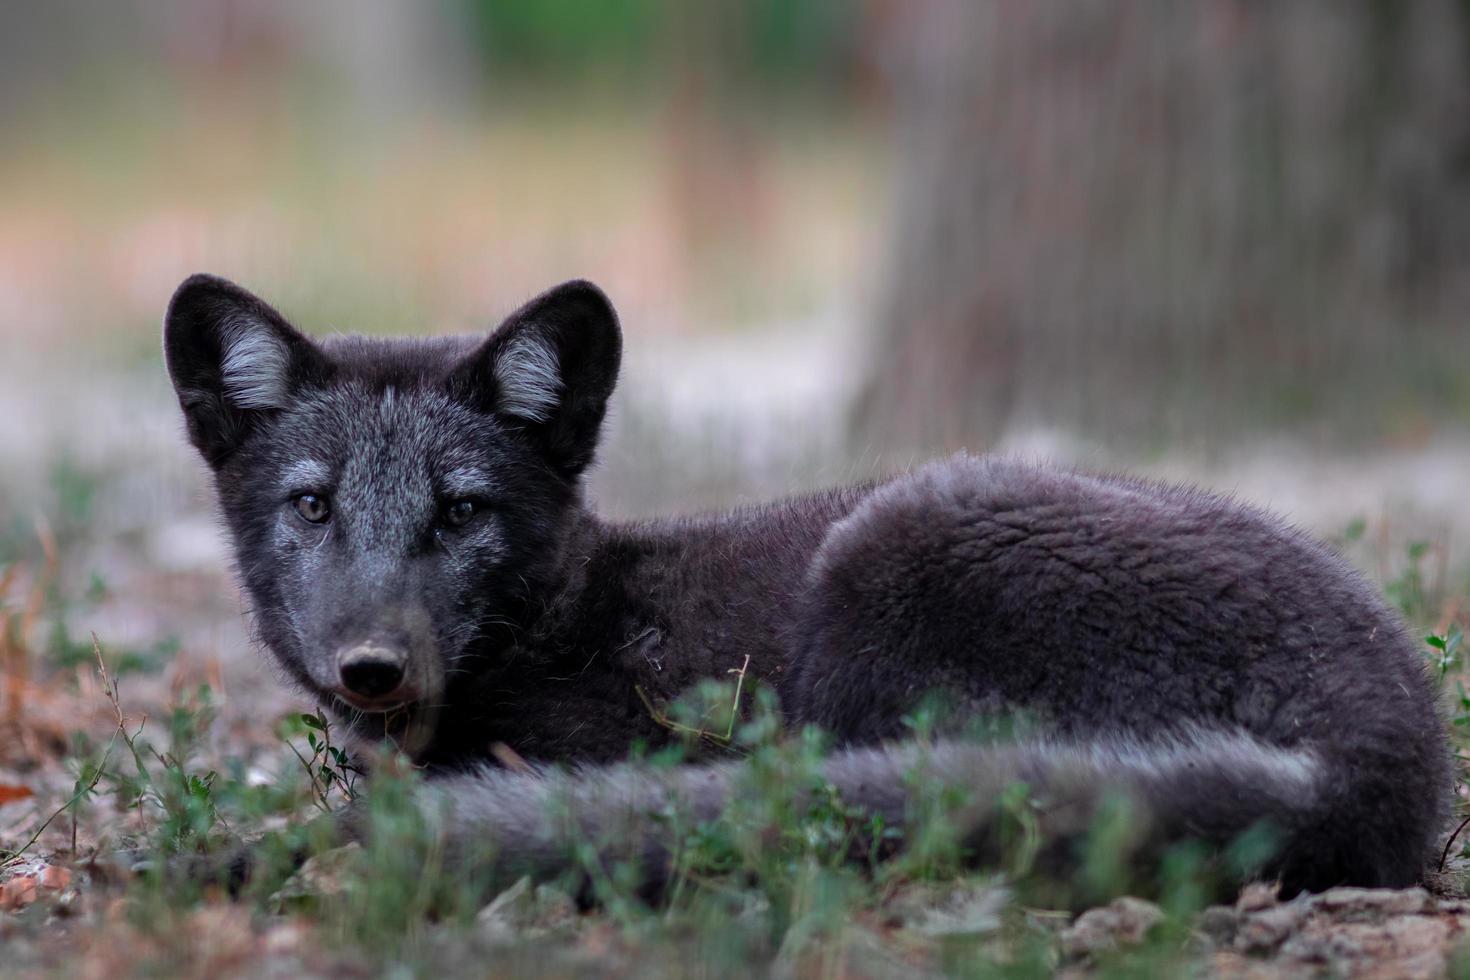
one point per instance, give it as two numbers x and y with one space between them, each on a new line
370 670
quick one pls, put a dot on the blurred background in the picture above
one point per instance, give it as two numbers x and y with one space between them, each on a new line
1227 241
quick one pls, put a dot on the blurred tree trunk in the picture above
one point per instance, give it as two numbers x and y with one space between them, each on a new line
1149 219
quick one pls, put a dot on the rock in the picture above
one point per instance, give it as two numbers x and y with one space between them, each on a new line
966 911
523 912
1373 903
1354 932
1217 925
1124 921
1263 931
319 877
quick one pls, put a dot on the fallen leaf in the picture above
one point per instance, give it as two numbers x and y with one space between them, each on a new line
17 892
10 792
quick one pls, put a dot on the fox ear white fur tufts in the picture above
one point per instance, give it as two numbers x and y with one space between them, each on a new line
253 365
528 381
231 356
548 370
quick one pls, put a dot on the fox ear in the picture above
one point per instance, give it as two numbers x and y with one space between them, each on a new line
233 361
548 370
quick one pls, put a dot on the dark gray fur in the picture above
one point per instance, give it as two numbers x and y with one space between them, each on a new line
1194 654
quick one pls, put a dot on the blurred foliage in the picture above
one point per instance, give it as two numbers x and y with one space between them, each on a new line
808 43
562 37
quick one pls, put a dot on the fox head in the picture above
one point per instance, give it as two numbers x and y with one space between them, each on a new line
398 507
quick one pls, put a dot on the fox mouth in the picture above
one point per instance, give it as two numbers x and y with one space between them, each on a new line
404 720
374 705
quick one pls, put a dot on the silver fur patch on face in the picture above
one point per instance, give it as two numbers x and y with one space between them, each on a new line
253 368
467 482
527 379
304 476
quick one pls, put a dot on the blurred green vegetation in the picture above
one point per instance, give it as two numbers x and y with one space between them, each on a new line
777 44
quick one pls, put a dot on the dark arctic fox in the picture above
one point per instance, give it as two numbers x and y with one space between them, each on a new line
409 524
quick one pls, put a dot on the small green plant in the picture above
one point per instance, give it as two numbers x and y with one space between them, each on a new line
330 772
175 799
1448 657
88 773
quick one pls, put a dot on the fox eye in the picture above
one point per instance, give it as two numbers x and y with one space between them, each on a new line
313 509
458 513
